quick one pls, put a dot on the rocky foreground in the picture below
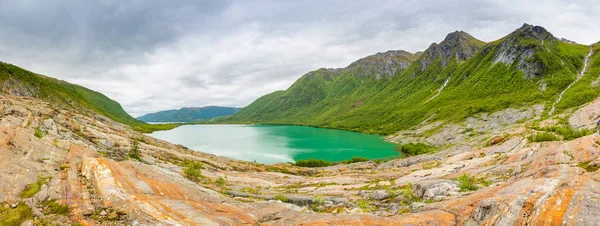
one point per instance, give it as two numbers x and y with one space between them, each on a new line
61 167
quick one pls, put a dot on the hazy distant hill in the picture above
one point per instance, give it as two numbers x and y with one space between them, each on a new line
189 114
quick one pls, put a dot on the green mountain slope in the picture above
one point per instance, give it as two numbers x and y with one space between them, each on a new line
189 114
20 82
457 78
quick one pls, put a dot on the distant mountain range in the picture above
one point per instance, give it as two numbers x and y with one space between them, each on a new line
457 78
191 114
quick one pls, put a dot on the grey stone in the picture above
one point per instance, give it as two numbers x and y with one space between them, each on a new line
380 194
416 206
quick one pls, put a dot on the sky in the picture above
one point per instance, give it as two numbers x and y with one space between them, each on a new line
152 55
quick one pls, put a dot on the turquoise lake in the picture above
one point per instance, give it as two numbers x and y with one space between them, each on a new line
274 144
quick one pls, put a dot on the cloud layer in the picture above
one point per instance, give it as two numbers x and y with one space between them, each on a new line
153 55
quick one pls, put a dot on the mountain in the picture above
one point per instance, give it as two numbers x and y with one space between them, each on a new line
189 114
20 82
459 77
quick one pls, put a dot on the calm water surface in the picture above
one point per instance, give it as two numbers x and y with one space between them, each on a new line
273 144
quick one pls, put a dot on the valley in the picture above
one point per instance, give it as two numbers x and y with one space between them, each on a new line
498 133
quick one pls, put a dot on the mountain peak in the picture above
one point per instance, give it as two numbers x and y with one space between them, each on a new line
533 31
459 45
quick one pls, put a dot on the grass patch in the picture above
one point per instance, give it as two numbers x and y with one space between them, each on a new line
543 137
32 189
412 149
53 207
313 163
282 198
588 166
431 164
364 205
15 216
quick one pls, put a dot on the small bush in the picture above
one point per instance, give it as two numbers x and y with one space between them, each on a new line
38 132
32 189
471 183
193 170
318 199
313 163
356 159
282 198
543 136
412 149
467 183
135 152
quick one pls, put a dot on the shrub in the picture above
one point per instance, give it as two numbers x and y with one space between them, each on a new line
356 159
135 153
38 132
543 136
282 198
193 170
471 183
412 149
318 199
313 163
221 182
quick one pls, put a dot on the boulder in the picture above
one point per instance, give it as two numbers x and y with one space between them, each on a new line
430 189
380 194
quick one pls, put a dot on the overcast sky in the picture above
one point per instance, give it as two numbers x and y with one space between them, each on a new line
157 55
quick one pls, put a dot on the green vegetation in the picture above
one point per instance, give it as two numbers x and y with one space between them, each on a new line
471 183
282 198
407 192
37 132
192 170
32 189
313 163
135 152
53 207
189 114
552 133
221 182
542 137
364 205
412 149
359 98
589 166
355 160
15 216
71 96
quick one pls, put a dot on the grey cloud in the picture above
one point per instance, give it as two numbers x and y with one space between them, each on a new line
154 55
